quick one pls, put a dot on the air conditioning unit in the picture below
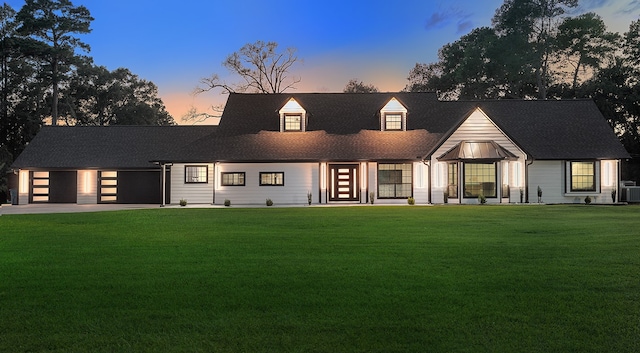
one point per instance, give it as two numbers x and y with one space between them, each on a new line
630 194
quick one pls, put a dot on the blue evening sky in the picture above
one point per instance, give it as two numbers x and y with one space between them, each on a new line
176 43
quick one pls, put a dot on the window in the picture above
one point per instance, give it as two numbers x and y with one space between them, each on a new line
271 178
39 186
452 180
395 180
108 180
480 179
233 179
195 174
393 121
292 122
583 176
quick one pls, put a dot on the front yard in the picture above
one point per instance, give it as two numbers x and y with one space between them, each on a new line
352 279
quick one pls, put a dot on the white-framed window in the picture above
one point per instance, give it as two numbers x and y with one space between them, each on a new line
196 174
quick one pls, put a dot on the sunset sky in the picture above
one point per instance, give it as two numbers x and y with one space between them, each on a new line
176 43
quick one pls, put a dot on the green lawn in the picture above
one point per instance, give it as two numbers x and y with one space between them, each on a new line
352 279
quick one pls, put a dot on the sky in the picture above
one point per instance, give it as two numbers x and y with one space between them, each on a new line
175 44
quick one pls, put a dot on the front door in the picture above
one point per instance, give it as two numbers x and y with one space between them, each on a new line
344 182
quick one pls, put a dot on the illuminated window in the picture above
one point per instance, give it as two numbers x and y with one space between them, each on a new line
233 179
480 179
271 178
40 187
583 176
195 174
452 180
395 180
292 122
108 181
393 121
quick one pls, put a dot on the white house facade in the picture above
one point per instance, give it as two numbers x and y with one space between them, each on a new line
330 148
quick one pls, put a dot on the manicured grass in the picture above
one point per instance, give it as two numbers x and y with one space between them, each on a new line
354 279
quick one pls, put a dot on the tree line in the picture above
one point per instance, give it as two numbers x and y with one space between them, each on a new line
533 50
46 76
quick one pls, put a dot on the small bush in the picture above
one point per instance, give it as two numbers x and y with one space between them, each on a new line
183 202
587 200
269 202
227 202
411 201
482 199
372 196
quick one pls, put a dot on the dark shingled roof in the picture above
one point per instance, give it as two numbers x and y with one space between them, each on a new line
556 129
341 127
544 129
126 147
311 146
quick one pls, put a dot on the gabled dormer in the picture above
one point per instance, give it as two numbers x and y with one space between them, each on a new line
293 117
393 116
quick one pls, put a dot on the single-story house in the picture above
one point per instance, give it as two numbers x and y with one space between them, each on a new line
334 148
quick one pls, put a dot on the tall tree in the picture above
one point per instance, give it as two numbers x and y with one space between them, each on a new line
357 86
530 26
632 45
97 96
585 44
21 93
54 23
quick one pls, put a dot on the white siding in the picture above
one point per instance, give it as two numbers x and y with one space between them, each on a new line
549 176
553 177
193 193
87 187
477 127
299 179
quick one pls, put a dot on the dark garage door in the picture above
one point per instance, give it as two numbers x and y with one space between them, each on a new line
63 187
140 187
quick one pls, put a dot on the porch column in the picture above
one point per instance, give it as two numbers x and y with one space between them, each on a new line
163 177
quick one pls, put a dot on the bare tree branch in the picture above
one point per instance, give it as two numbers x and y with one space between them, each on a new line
194 117
261 68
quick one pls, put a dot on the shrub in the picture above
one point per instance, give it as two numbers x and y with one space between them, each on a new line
482 199
372 196
227 202
183 202
587 199
411 201
269 202
309 197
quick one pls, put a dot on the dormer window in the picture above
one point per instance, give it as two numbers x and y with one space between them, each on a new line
292 122
393 116
393 121
293 117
